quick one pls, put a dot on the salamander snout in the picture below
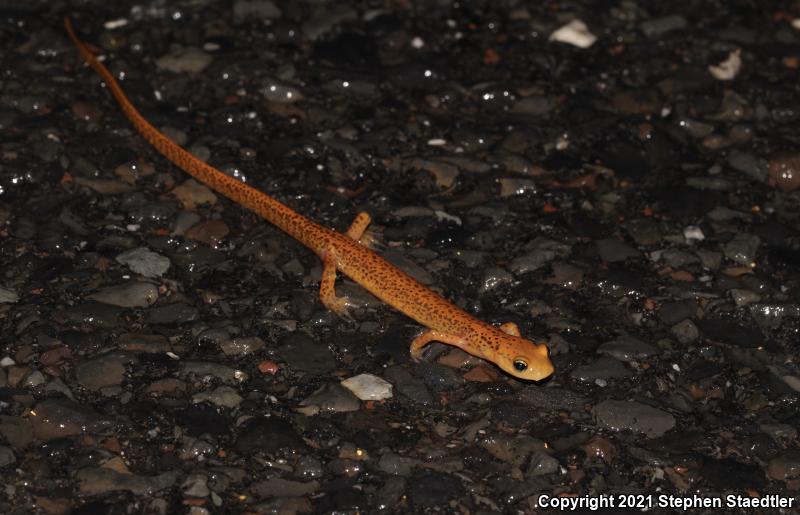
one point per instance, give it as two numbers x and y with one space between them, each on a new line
527 360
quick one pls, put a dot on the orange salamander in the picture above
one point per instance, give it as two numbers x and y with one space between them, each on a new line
446 322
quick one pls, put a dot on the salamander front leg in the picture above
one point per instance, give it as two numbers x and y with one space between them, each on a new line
432 335
510 328
327 288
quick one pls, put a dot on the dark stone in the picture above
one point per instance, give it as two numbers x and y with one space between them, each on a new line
729 474
304 354
408 385
171 314
431 488
683 202
438 377
201 419
730 332
673 312
513 413
267 434
625 159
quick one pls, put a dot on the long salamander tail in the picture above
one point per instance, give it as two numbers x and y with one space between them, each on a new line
249 197
142 125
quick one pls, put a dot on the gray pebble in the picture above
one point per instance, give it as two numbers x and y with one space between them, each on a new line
304 354
173 314
244 10
644 231
329 398
223 396
710 259
685 331
184 221
33 379
96 481
678 258
634 416
278 91
242 346
531 261
132 294
773 315
742 248
710 183
396 465
542 464
309 467
93 314
514 450
8 296
228 375
628 348
657 27
726 214
750 165
785 467
533 106
781 433
613 250
6 456
16 431
603 368
673 312
566 276
185 60
106 370
59 418
438 377
408 385
493 277
548 399
144 262
744 297
196 485
277 487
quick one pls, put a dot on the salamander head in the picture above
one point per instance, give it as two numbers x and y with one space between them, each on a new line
522 358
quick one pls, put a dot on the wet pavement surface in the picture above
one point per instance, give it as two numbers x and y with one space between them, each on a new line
620 179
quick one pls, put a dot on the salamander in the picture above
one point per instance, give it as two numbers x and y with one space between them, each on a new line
347 253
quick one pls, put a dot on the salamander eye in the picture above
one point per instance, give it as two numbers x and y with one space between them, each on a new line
520 365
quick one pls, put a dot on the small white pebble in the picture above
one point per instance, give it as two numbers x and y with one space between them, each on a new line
574 33
693 233
437 142
729 68
417 42
368 387
7 362
115 24
441 215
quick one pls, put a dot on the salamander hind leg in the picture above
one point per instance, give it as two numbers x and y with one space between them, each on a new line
327 288
510 328
359 225
358 231
430 335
